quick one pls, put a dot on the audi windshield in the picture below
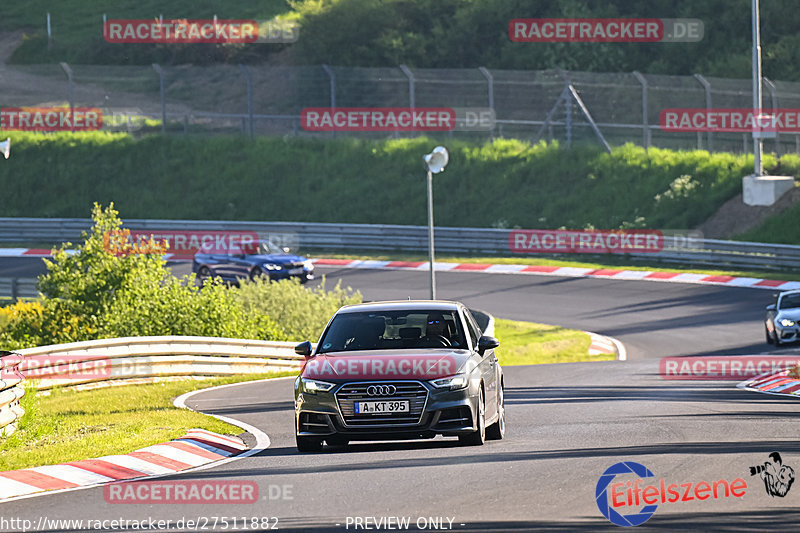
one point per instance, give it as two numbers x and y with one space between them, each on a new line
393 330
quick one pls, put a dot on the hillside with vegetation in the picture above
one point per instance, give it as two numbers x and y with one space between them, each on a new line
421 33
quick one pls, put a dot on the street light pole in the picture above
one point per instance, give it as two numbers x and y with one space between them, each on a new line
757 141
430 235
435 163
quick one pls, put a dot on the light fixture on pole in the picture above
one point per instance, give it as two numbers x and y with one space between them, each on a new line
435 163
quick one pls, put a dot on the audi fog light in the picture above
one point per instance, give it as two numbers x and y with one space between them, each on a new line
313 385
453 383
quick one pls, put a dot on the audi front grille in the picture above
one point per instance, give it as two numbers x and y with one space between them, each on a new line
413 391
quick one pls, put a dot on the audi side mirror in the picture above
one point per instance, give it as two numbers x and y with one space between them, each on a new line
771 307
485 342
304 349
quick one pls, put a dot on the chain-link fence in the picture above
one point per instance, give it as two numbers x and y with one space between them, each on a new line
268 100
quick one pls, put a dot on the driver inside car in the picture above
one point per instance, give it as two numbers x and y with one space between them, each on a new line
435 332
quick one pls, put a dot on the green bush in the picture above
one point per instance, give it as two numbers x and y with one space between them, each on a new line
93 293
300 313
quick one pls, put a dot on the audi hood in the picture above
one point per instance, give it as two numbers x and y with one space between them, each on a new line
387 365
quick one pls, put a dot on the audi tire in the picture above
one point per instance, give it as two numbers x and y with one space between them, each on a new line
337 441
477 437
498 430
308 444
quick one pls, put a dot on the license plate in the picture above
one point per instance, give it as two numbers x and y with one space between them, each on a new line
382 407
296 271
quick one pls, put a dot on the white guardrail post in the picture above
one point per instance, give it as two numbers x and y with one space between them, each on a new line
11 390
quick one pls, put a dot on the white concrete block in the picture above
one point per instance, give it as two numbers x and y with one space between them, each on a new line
765 190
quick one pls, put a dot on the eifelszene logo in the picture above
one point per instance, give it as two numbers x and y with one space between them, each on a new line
631 494
778 477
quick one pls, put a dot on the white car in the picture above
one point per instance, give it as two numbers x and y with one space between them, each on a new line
782 323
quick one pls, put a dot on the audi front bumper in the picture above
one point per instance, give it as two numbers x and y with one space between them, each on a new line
432 411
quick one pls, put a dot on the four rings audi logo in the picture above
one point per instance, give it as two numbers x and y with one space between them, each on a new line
381 390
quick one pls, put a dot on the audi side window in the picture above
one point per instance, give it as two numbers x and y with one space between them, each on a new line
473 330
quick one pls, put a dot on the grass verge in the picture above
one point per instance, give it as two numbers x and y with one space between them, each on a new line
70 425
527 343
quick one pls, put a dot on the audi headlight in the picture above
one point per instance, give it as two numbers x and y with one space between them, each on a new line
453 383
313 385
270 266
785 322
308 265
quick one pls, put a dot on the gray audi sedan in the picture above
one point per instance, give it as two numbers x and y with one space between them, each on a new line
399 370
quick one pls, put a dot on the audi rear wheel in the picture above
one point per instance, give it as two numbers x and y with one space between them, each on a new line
498 430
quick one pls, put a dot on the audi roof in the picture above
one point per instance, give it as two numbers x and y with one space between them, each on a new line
402 305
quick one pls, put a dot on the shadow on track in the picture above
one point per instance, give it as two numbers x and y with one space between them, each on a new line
773 520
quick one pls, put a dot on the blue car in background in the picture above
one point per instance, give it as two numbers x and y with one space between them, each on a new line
269 262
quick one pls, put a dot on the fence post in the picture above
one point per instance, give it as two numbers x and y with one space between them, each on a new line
70 91
773 96
568 121
707 88
49 32
490 87
411 94
410 76
645 119
249 79
332 78
162 92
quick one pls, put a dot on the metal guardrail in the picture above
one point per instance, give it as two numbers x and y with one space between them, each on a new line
11 390
147 357
16 288
135 358
311 237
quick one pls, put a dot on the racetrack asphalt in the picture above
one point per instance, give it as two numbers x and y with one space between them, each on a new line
566 424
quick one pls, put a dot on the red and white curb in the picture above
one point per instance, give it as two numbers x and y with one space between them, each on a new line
571 272
197 447
602 345
773 383
164 466
536 270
